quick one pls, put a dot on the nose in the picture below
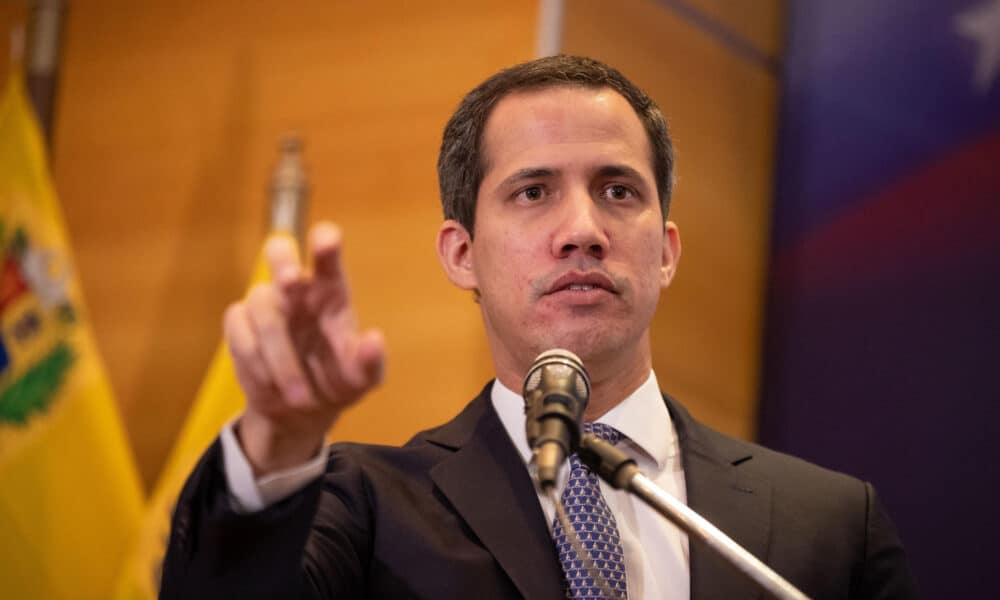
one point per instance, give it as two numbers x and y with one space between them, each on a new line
580 228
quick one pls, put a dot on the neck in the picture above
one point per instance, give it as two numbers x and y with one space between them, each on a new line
613 381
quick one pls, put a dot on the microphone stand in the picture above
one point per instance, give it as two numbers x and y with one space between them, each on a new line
616 468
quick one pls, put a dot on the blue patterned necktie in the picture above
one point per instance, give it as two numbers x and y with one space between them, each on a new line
592 519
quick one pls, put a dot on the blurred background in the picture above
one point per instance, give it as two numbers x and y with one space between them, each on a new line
838 170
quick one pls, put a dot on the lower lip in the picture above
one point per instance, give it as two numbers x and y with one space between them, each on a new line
578 296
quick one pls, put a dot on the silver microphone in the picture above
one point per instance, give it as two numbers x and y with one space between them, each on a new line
556 392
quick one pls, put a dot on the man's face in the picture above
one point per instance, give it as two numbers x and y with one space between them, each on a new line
570 247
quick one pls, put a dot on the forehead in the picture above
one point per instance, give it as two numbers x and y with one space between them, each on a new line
564 123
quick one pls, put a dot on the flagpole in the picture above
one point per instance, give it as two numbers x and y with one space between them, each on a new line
45 27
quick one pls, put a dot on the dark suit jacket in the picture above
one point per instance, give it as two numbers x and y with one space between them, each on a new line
454 514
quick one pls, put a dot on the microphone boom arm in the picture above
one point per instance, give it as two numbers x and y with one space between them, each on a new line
620 471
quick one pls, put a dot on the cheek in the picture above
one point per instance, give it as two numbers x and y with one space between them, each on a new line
517 266
504 265
649 254
514 250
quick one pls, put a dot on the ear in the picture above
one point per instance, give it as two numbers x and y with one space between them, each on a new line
454 248
671 253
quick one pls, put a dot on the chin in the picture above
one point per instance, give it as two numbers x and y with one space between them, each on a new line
589 343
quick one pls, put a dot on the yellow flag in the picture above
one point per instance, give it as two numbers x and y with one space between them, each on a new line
218 400
70 498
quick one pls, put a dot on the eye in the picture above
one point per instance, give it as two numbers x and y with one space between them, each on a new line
618 192
532 193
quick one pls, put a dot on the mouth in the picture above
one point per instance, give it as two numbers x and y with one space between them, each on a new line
579 281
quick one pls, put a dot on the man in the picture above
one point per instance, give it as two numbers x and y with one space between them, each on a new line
555 178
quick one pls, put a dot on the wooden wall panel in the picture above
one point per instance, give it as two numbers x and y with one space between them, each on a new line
721 108
167 131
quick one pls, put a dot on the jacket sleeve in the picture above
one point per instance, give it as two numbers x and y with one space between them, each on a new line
313 544
884 572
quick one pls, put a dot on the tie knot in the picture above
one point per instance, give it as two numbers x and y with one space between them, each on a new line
606 432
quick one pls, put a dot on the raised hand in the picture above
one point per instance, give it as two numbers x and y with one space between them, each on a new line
298 353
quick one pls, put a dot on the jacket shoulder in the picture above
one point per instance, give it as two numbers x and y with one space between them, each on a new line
789 475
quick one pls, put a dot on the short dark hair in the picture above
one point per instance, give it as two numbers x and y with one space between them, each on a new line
461 164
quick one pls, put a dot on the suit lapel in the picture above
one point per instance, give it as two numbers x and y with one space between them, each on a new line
502 508
735 501
487 483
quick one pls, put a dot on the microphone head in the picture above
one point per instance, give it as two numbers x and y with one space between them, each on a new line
562 364
556 384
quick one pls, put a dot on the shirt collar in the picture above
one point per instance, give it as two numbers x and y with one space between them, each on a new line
642 416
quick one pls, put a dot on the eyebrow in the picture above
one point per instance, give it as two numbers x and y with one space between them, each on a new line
528 173
619 171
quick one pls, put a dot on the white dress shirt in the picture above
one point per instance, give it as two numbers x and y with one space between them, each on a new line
656 552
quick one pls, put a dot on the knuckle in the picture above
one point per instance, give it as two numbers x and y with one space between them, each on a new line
248 363
245 355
